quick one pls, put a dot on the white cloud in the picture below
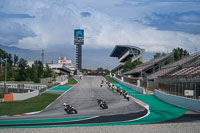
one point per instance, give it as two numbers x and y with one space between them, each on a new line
55 21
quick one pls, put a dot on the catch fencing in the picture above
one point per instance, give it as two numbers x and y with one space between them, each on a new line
185 87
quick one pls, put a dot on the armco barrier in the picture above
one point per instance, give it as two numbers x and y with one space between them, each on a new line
183 102
23 96
135 88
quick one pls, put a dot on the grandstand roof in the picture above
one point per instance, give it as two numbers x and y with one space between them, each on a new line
124 52
120 49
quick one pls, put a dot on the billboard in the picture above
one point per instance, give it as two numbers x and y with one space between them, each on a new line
189 92
8 97
78 36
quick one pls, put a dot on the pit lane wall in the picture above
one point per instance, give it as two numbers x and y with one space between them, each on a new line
182 102
135 88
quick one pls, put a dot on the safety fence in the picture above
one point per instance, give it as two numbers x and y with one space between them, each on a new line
128 79
185 87
24 87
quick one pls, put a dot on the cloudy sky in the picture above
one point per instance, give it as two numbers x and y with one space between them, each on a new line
156 25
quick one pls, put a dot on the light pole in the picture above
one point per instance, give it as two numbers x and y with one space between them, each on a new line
5 75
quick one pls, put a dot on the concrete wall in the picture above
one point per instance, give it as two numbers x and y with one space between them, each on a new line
46 80
23 96
135 88
183 102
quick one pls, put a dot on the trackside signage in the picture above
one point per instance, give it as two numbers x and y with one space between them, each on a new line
189 92
8 97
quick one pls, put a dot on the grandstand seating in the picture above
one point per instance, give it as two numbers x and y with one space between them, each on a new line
148 64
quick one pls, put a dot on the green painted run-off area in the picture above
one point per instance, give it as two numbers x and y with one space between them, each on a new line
60 88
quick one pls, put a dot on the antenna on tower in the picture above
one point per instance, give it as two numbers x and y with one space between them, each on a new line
42 54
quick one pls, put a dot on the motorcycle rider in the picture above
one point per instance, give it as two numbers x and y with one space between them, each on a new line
69 109
124 91
113 87
121 91
118 89
99 101
67 106
102 103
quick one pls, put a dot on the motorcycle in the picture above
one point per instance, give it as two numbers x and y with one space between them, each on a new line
70 110
103 105
126 96
101 85
118 89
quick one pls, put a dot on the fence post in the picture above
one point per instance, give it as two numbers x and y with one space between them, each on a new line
138 83
122 78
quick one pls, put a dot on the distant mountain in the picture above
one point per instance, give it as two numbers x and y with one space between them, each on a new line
30 55
92 58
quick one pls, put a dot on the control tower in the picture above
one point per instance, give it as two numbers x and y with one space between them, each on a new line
78 41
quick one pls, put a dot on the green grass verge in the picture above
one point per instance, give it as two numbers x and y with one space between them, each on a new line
109 79
71 81
30 105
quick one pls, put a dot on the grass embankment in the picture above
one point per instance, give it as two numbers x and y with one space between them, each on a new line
30 105
109 79
71 81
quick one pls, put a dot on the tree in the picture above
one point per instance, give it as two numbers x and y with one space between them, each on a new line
48 72
22 72
40 69
22 75
16 59
179 53
103 71
130 65
159 55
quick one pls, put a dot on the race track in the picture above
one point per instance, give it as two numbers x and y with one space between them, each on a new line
83 97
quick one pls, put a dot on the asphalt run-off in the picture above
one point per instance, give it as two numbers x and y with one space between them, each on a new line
83 97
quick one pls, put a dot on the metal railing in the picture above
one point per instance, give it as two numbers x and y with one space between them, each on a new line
128 79
181 87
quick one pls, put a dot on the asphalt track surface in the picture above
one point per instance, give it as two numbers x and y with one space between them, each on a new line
83 97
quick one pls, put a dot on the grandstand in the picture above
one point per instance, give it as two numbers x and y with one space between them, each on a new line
152 79
168 68
150 67
183 78
180 78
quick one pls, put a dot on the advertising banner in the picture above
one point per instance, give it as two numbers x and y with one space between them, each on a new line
8 97
189 93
